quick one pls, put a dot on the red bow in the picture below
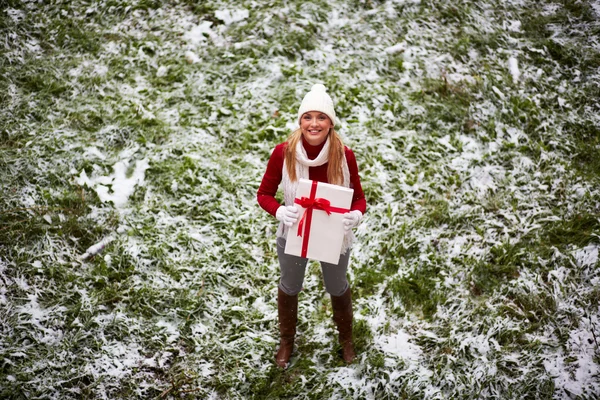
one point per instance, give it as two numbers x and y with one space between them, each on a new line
311 204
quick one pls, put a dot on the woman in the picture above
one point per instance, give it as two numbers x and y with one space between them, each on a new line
316 152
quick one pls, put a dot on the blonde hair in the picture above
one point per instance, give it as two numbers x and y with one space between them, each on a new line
335 175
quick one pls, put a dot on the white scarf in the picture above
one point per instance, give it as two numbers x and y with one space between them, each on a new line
302 165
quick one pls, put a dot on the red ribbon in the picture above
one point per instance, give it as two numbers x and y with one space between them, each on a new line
311 203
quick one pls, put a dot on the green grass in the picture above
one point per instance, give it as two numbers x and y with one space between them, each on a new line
190 279
417 293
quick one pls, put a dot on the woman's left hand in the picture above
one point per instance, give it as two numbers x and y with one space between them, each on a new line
351 219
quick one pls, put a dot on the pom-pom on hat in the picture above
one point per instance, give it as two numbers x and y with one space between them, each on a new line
317 100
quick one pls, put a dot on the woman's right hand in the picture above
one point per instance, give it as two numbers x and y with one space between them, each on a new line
287 214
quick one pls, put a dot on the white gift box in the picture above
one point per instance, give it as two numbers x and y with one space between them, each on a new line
319 232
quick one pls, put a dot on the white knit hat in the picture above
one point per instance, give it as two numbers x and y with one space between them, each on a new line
317 100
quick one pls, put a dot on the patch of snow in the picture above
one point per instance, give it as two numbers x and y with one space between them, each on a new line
587 256
265 308
231 16
98 247
170 329
399 345
93 152
116 187
484 178
16 15
116 360
596 7
199 33
397 48
100 70
199 329
513 67
498 92
513 26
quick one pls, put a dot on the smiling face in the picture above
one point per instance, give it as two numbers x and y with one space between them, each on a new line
315 127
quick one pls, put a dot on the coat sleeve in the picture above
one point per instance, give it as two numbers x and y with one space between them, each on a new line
270 181
358 199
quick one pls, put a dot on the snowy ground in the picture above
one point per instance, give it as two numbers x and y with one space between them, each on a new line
135 262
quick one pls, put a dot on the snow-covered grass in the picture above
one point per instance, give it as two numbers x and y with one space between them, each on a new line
135 262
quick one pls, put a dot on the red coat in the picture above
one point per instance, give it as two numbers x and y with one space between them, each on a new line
272 177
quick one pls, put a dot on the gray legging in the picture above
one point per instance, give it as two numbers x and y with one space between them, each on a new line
293 268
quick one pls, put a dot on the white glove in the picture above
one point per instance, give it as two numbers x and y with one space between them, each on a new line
351 219
287 214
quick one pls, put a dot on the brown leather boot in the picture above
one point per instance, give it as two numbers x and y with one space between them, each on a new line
342 316
287 307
